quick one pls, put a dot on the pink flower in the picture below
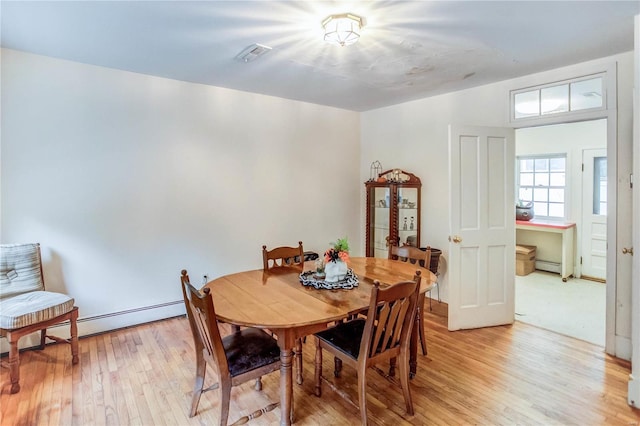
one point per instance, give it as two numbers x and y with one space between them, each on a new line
338 251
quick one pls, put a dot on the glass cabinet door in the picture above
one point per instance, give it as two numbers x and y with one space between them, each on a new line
408 216
379 225
393 212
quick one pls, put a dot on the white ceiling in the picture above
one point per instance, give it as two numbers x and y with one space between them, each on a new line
408 49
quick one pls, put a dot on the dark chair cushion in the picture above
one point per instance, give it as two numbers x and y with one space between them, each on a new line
248 349
345 336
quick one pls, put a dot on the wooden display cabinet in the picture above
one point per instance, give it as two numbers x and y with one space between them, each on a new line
393 211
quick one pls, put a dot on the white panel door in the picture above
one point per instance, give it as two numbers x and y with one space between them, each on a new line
594 213
482 227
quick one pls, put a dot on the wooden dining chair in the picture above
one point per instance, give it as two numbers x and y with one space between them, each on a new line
282 256
286 257
25 306
432 265
246 355
415 255
384 335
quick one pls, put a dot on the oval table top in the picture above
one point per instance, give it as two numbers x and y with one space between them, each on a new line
276 299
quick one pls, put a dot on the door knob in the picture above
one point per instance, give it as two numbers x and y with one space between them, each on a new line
456 239
627 251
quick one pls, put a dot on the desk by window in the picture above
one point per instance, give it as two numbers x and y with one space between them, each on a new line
567 233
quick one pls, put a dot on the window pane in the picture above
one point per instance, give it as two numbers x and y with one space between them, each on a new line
527 104
586 94
526 179
540 194
526 165
600 185
556 195
556 179
603 190
556 210
525 194
542 179
541 164
557 164
554 99
540 209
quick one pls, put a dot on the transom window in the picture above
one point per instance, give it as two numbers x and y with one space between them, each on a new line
568 96
542 180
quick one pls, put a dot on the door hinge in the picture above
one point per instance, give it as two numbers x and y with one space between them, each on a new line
631 181
583 167
581 260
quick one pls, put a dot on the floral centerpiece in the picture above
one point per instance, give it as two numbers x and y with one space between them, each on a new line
335 260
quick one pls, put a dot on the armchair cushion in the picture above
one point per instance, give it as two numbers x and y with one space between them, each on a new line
31 308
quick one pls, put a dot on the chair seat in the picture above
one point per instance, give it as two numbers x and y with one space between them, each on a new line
248 349
32 308
345 336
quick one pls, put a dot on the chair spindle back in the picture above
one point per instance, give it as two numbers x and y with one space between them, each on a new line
204 325
390 317
282 256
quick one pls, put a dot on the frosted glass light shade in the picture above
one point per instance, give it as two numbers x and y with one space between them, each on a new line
343 29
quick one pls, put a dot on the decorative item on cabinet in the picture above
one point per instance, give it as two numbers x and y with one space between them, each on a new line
400 191
375 171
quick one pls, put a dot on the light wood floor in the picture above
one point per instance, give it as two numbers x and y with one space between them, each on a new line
506 375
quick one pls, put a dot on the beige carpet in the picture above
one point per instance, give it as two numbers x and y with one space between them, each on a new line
575 308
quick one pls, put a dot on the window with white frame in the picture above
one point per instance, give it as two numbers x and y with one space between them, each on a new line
567 96
542 181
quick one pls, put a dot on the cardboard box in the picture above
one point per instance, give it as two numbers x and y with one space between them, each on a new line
525 259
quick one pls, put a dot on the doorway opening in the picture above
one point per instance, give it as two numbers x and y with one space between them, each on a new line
577 307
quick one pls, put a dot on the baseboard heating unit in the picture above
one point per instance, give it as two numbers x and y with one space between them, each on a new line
543 265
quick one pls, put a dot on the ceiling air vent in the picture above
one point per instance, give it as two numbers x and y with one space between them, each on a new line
252 52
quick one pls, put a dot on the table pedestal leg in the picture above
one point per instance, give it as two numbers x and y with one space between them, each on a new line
297 360
286 387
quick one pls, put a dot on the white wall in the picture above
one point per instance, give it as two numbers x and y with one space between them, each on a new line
413 136
125 179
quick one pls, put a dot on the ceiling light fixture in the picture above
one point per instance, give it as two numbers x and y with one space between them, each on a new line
343 29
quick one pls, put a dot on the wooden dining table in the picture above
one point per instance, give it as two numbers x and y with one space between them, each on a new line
276 300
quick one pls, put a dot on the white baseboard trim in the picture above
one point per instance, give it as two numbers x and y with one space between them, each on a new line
633 393
96 324
623 348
